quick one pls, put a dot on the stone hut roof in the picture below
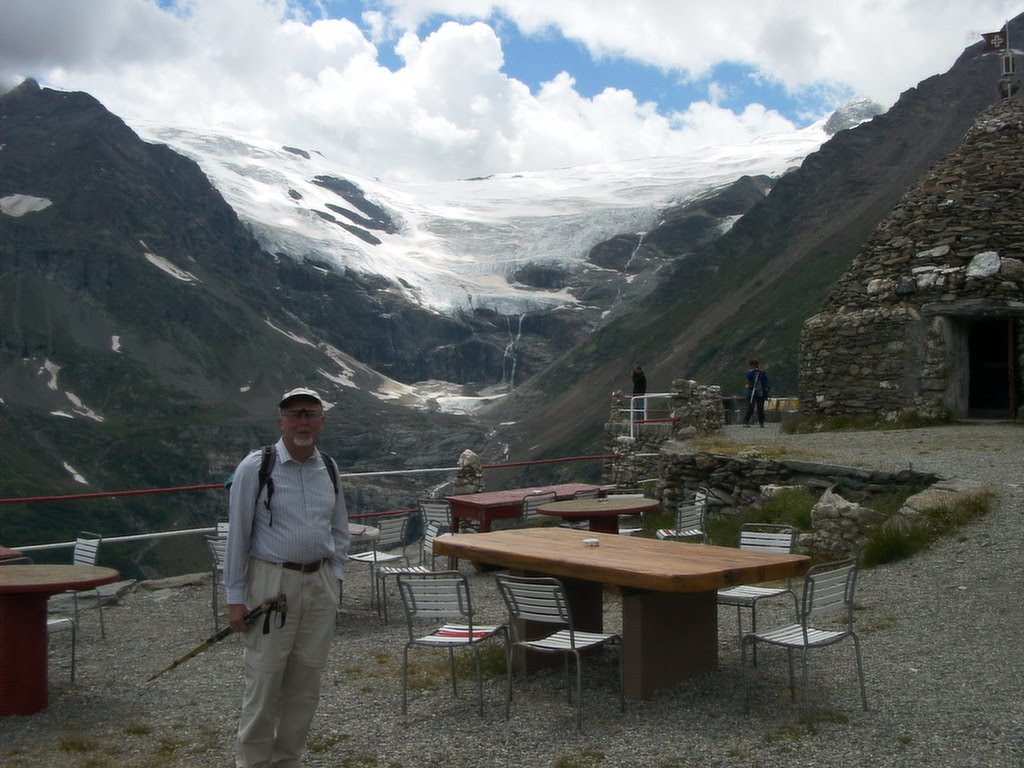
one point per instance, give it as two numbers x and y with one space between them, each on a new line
957 235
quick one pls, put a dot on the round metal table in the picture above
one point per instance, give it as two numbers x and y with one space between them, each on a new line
603 514
24 590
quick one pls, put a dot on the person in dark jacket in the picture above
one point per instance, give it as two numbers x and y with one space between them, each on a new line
756 392
639 388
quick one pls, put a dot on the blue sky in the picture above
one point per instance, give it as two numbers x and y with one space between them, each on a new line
417 89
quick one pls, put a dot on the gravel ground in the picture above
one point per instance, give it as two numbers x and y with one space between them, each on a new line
940 634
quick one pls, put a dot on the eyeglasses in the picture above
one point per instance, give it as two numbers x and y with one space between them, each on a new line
302 414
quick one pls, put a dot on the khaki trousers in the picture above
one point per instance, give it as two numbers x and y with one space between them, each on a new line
283 667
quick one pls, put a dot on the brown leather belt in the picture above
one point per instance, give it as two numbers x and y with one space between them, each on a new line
304 567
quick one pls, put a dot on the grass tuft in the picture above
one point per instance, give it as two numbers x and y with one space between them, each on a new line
888 543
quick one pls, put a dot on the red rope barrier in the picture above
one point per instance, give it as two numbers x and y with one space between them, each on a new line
101 494
211 486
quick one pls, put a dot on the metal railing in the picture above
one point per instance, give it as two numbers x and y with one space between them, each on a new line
156 535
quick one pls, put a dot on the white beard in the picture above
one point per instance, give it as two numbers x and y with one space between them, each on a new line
303 441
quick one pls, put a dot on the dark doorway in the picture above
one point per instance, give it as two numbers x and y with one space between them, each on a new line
991 357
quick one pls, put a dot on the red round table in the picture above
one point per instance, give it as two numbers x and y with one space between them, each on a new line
24 590
603 514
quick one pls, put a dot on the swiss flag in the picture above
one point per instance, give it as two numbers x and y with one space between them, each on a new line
995 41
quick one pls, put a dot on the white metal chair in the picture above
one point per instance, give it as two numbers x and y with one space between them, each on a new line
65 625
629 530
436 511
689 520
542 600
217 547
87 549
443 596
392 536
828 590
760 537
587 493
531 501
426 565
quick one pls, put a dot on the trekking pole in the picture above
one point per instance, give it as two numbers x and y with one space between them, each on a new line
278 603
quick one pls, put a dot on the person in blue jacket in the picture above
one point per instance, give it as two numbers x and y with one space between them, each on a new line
756 392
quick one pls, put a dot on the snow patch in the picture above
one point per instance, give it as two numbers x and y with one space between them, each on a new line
75 475
19 205
178 274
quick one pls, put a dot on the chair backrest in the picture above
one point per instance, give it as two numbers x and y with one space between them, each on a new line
534 598
690 516
439 595
217 547
392 530
430 533
627 495
766 537
828 589
222 527
533 500
436 511
587 493
87 548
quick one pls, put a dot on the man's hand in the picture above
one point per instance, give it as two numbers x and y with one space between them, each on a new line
236 617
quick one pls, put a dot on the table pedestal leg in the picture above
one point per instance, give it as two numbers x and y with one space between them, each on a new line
667 638
23 654
605 524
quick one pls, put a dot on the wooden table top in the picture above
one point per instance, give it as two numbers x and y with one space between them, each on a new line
515 495
609 506
53 578
625 561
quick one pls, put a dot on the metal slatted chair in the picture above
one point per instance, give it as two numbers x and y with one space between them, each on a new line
436 511
87 549
65 625
443 596
542 600
426 565
629 530
760 537
828 590
689 520
392 536
532 500
217 547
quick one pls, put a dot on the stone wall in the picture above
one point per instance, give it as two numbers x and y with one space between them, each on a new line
695 409
891 336
661 459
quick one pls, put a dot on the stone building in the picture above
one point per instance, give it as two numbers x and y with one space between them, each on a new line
929 316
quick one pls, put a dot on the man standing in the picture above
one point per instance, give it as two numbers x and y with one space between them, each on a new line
290 536
756 391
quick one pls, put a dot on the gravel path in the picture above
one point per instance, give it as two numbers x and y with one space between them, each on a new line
940 635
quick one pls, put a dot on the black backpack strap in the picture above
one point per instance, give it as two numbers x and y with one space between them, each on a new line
332 470
267 461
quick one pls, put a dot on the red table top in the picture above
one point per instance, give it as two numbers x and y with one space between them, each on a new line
608 507
51 579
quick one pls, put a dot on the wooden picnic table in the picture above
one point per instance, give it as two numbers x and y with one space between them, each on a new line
669 590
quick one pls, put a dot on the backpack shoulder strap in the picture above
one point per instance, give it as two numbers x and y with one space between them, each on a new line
267 461
332 470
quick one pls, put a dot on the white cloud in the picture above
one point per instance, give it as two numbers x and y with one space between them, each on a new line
278 69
